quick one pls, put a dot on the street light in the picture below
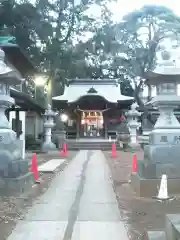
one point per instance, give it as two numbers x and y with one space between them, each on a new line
40 81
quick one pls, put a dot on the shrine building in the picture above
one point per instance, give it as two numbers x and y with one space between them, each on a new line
93 107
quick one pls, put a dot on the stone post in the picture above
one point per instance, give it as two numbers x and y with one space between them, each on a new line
132 117
161 156
14 171
49 116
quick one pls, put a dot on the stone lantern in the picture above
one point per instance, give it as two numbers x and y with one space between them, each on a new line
162 155
14 171
123 135
58 131
49 117
133 124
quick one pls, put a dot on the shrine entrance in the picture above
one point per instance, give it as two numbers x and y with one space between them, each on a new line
93 107
92 124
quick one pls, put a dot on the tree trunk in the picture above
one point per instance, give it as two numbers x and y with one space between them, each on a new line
139 101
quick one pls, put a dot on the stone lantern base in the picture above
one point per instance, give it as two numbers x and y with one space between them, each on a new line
158 160
134 146
48 146
14 171
14 186
149 187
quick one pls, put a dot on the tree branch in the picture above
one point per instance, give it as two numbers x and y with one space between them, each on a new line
70 26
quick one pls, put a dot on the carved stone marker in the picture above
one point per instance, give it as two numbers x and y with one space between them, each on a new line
162 155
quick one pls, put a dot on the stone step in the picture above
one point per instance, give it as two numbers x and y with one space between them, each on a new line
91 142
172 228
51 166
155 235
106 146
171 231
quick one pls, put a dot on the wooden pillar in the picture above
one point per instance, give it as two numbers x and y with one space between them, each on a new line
105 125
78 126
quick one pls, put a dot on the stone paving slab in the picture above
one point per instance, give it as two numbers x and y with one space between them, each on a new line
98 201
99 231
50 211
39 230
99 212
51 165
99 216
80 204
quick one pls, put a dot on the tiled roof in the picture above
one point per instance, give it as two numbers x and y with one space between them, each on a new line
74 92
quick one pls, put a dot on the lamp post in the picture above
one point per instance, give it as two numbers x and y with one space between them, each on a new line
48 116
40 83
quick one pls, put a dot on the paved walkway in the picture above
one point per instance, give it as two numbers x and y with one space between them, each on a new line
79 205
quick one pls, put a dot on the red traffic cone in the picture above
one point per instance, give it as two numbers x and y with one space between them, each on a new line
114 152
64 151
34 168
134 164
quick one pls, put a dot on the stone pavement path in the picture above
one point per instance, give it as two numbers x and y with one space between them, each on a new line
80 204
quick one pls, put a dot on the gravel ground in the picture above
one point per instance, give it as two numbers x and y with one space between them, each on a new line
14 208
139 214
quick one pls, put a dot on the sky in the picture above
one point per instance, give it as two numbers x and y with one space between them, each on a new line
122 7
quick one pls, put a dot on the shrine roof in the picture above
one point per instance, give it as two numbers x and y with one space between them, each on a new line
105 88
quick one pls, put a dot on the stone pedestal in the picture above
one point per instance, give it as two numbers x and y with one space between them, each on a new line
161 156
48 145
59 133
132 117
14 171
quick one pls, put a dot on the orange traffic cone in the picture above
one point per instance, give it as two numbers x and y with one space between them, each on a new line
34 168
114 152
134 164
64 152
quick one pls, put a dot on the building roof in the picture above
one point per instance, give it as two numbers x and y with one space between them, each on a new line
16 56
107 89
26 102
